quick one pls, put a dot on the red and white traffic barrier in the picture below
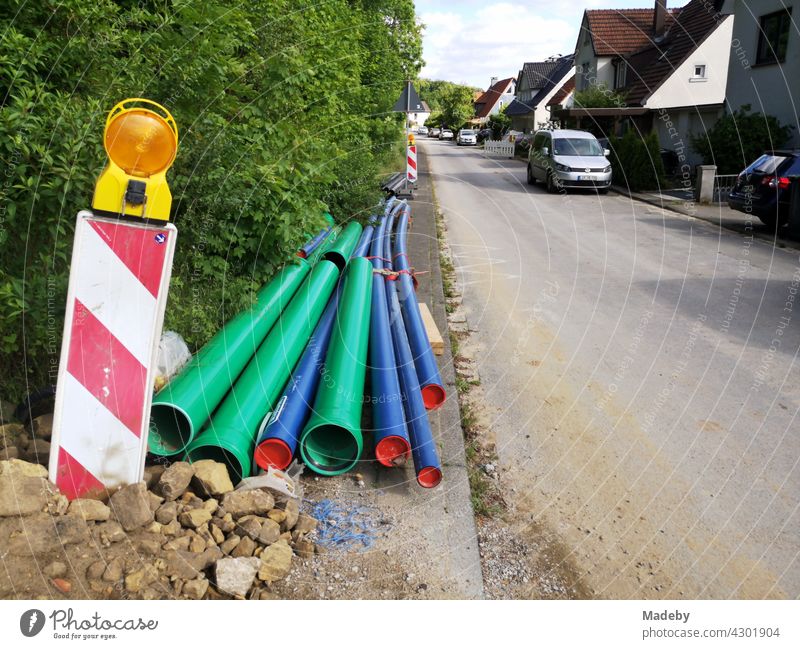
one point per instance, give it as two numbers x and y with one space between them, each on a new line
411 163
115 310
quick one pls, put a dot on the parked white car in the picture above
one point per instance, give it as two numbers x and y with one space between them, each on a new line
446 134
568 159
422 130
467 137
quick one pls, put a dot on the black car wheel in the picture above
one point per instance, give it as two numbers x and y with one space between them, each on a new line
531 177
552 188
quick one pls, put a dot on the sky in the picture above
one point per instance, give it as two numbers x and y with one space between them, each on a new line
471 41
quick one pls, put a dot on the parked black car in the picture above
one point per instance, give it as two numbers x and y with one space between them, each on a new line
763 188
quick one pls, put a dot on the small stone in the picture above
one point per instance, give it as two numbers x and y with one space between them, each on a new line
235 576
171 529
305 523
155 501
38 451
249 526
90 509
152 474
57 504
95 570
216 534
42 426
287 536
10 433
9 453
251 501
292 510
227 524
244 548
167 512
181 543
149 546
111 532
194 518
229 544
131 506
197 543
270 532
21 495
211 505
276 562
63 585
55 569
138 579
277 515
154 528
20 468
43 533
304 548
175 480
212 477
195 589
113 571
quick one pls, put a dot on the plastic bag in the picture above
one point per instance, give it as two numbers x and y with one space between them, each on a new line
173 354
281 484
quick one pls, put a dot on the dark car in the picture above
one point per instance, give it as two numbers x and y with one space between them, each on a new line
763 189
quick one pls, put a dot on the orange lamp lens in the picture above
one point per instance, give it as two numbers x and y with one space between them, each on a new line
140 142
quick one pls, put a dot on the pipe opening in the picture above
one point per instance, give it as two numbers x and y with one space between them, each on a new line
337 258
170 429
330 448
433 395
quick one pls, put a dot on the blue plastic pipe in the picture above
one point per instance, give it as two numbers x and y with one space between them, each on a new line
390 435
307 249
423 448
276 443
433 392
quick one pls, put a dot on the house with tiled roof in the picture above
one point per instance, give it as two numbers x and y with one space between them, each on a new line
499 95
669 65
537 82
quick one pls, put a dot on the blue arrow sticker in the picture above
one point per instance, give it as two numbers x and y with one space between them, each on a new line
161 237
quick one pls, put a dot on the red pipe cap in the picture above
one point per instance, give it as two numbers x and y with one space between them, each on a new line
390 450
273 452
429 477
301 254
433 396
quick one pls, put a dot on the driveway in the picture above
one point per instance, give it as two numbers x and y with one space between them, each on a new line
641 375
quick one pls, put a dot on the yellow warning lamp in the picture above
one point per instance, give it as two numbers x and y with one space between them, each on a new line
411 140
141 140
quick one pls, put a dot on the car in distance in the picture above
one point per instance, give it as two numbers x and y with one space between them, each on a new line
422 130
434 132
446 134
568 159
467 137
763 189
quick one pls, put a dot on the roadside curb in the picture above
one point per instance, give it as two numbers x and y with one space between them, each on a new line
459 526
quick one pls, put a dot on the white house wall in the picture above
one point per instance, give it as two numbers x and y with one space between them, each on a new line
680 90
772 89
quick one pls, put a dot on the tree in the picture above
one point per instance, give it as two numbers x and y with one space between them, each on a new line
499 123
450 103
283 111
739 138
599 96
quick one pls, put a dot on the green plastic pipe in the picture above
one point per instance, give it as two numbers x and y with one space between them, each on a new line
331 442
341 249
322 248
184 405
231 433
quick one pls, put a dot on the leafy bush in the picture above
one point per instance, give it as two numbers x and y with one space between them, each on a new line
598 96
499 123
283 111
636 161
739 138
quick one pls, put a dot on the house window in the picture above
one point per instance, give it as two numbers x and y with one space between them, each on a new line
700 71
774 36
620 74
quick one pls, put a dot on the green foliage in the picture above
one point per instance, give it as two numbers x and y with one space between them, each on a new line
450 103
739 138
599 96
283 111
499 123
636 161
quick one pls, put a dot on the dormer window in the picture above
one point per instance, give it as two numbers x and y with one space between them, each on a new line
699 72
620 74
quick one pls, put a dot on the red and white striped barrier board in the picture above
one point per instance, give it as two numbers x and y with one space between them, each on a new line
411 164
118 287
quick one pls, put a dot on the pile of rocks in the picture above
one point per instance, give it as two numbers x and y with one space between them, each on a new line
30 442
182 533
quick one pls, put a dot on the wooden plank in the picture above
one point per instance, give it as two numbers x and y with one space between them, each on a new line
435 338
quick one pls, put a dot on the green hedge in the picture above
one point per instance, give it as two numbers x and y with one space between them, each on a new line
636 161
283 110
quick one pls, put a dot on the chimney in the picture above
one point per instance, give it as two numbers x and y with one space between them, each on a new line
659 18
492 82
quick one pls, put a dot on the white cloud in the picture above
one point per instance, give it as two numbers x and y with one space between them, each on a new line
492 41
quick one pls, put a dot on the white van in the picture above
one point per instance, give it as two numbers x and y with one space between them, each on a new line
568 159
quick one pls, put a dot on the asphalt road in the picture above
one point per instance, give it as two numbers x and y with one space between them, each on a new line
641 378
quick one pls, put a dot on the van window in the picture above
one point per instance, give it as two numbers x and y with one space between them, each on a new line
538 141
573 146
